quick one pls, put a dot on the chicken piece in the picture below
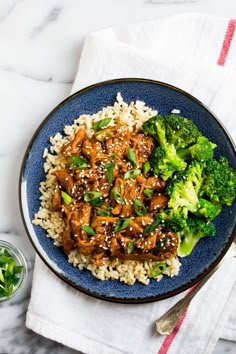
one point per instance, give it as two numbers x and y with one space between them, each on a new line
142 146
56 199
115 247
123 241
92 149
136 225
66 181
67 213
119 144
157 202
103 224
167 244
99 258
133 229
147 243
68 243
132 191
80 217
126 210
155 183
73 148
117 209
122 165
86 247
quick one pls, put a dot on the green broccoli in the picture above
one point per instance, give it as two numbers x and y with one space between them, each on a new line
208 209
194 231
172 129
155 127
219 182
184 187
165 161
171 219
181 131
202 150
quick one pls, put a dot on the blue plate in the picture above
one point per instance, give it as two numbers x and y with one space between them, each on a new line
161 97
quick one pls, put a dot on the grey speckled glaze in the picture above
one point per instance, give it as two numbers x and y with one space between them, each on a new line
163 98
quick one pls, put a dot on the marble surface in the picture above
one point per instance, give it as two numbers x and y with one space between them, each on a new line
40 45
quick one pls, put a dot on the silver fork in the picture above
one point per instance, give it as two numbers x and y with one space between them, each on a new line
166 323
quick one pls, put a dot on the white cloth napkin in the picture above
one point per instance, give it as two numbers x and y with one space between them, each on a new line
184 51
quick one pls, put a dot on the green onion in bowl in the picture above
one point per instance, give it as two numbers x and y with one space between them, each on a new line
13 271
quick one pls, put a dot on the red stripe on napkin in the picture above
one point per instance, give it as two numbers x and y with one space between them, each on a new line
227 41
169 339
221 61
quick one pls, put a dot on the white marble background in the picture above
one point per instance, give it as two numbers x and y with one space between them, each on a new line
40 45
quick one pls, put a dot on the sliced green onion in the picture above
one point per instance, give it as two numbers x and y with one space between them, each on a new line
89 231
130 246
101 123
146 167
122 224
139 208
132 157
151 227
117 196
97 202
77 162
8 273
18 269
93 198
148 192
132 173
66 197
89 196
104 211
157 269
109 168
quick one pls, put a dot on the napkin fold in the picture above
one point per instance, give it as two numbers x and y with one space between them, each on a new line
197 53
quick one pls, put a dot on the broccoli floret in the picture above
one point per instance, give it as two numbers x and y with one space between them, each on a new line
181 131
155 127
203 150
172 129
165 161
219 182
194 231
171 219
184 187
208 209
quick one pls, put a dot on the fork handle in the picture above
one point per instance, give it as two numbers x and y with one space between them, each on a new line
166 323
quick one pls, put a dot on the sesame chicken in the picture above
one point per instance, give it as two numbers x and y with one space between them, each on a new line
97 193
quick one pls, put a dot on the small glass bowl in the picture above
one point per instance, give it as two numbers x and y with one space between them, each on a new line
20 261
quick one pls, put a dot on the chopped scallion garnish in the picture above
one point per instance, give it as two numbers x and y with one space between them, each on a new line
89 231
77 162
117 196
132 157
102 123
66 197
8 273
148 192
104 211
151 227
122 224
94 198
146 167
132 173
139 208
